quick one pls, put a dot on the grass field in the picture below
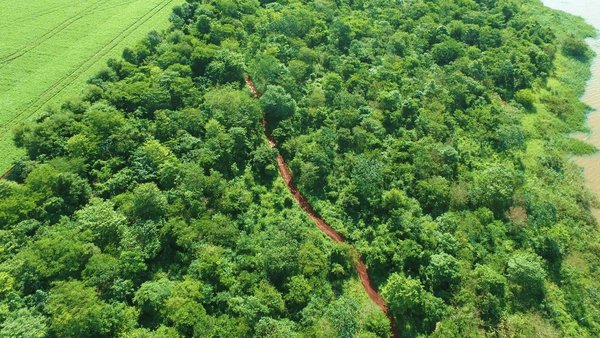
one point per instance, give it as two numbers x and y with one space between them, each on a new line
49 48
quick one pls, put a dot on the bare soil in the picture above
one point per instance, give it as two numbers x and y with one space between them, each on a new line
358 263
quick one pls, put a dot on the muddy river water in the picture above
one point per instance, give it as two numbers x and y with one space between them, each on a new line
590 11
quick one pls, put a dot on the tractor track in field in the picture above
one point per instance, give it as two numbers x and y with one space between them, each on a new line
49 34
60 7
43 12
68 79
94 8
325 228
7 173
283 168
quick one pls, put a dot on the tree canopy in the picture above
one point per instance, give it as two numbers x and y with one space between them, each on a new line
430 134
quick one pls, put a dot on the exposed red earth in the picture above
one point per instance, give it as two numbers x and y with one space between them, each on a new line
358 263
286 175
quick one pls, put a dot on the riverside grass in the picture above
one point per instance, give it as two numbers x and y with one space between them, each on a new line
49 48
568 81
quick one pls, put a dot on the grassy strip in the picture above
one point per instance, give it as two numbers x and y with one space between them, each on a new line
61 47
557 108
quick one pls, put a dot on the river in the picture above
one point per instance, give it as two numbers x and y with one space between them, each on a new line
590 11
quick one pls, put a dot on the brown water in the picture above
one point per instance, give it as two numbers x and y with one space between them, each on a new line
590 11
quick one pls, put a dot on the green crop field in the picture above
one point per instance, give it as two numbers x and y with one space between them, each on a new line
49 48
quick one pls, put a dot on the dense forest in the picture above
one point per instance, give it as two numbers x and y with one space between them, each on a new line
430 134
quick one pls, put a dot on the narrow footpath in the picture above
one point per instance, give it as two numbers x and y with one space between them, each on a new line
358 263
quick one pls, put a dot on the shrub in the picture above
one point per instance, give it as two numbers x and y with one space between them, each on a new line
575 47
526 98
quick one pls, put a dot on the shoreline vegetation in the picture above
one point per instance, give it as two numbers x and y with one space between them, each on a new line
432 136
590 133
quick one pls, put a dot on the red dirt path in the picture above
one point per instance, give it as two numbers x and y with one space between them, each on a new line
286 174
358 263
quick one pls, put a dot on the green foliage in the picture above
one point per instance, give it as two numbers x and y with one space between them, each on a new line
526 273
145 202
272 328
525 97
24 324
491 290
76 311
442 273
428 133
575 47
59 254
343 315
579 148
445 52
100 218
494 186
277 104
416 309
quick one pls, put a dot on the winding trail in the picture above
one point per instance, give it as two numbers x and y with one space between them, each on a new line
358 263
286 175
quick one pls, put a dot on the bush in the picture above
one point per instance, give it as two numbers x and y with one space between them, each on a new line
579 148
446 52
526 98
575 47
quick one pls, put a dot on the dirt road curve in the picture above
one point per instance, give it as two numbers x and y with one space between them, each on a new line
358 263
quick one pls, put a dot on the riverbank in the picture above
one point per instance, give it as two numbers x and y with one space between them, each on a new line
589 10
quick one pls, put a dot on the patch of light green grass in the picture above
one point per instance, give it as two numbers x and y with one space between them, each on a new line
51 47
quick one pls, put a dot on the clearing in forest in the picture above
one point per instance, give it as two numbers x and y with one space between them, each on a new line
49 48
